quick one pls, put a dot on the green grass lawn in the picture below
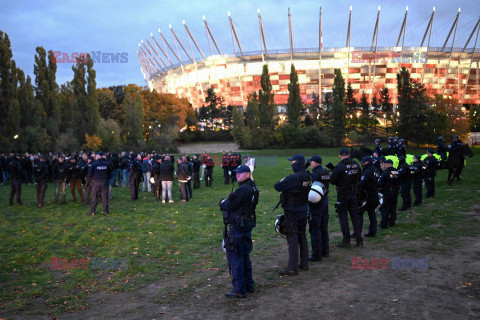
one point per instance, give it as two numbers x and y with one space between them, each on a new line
173 240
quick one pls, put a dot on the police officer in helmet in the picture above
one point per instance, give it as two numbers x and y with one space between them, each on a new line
388 184
318 213
294 190
431 171
368 183
378 147
346 176
239 217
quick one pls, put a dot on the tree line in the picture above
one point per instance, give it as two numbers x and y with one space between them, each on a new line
41 116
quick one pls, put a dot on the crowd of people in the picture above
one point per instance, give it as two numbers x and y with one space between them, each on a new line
92 176
375 184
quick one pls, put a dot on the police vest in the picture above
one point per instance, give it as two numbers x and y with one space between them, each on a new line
298 197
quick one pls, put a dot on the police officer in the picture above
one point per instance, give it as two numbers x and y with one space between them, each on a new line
41 176
416 171
225 167
378 148
431 171
388 183
318 213
239 217
456 142
134 174
210 164
100 173
294 200
368 183
16 176
405 183
157 186
401 151
196 172
442 149
390 148
346 176
74 174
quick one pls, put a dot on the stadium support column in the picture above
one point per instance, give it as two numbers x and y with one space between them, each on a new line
401 35
234 36
471 57
262 37
429 32
454 26
348 43
375 40
320 49
181 64
189 36
291 35
160 48
156 52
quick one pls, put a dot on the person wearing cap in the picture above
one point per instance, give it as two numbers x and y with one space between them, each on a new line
390 148
210 164
74 177
134 175
239 220
294 190
378 148
225 167
401 151
318 212
368 182
88 182
416 172
345 176
100 173
442 149
16 176
457 143
60 171
388 184
432 164
41 176
405 181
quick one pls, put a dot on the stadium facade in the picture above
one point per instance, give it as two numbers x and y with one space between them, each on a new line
448 70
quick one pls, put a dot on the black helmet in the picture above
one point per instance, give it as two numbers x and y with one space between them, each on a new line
377 140
440 138
455 136
401 140
390 138
280 225
396 138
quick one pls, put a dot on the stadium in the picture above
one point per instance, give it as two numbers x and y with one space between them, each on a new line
450 70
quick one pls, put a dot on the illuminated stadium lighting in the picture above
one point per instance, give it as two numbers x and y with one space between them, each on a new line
448 70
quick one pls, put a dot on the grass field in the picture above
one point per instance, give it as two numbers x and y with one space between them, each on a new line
161 242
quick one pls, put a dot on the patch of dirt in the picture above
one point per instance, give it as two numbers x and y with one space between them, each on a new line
448 289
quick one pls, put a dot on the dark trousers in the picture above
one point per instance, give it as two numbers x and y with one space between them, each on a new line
296 226
348 203
387 210
430 184
417 191
88 190
15 189
208 179
318 227
183 191
233 176
134 182
60 187
189 189
158 188
41 188
372 217
226 176
196 180
405 187
76 183
100 189
241 266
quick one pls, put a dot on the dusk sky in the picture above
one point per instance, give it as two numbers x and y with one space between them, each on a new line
118 27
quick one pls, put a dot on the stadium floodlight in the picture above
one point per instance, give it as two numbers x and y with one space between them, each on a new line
203 17
228 13
433 8
183 21
170 26
379 8
407 8
350 8
459 9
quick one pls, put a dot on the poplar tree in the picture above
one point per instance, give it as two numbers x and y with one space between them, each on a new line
338 106
294 103
267 106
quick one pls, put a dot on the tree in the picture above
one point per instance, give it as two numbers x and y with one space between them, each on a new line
386 106
475 118
252 115
238 125
106 103
365 113
376 110
412 107
352 105
338 108
315 108
265 96
456 120
9 105
92 116
133 120
294 103
214 103
46 90
326 111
